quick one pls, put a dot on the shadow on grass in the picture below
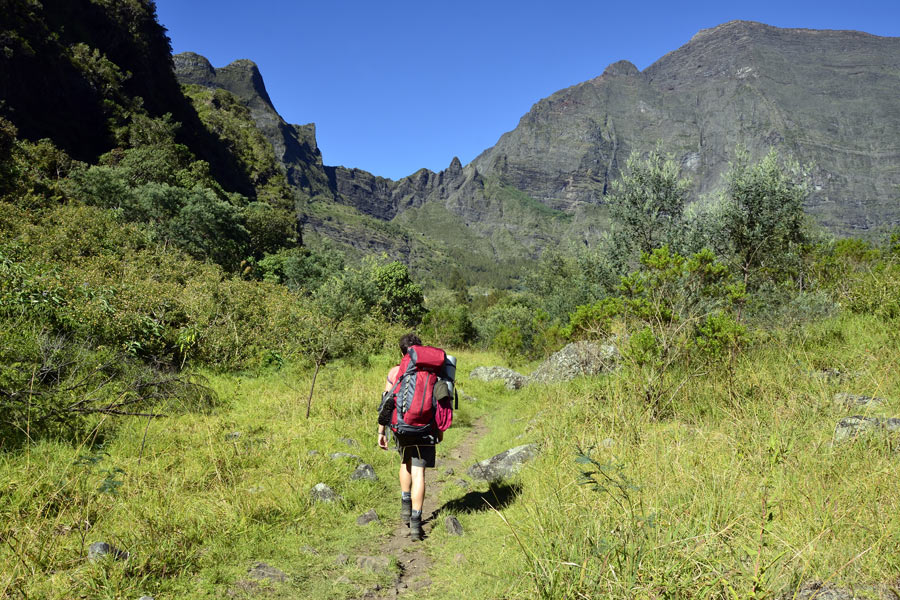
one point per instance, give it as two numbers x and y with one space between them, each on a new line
498 495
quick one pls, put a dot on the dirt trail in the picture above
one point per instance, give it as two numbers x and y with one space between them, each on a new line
412 557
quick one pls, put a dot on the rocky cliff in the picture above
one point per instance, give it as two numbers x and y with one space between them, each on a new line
829 98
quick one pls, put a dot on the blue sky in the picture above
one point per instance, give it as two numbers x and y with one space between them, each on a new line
394 86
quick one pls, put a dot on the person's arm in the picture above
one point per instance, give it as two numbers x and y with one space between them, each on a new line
387 409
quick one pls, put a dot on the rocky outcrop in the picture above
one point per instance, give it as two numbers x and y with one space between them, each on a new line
503 465
856 426
575 360
510 378
295 145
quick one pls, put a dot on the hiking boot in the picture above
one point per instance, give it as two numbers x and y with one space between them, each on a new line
415 528
405 510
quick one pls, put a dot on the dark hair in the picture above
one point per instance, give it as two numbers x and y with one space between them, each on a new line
410 339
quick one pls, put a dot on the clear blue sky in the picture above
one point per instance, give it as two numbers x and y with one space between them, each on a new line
394 86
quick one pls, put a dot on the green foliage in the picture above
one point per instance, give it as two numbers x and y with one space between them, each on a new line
302 269
209 228
449 326
593 321
763 222
720 335
648 202
399 298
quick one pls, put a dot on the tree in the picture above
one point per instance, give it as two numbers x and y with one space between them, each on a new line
648 201
400 299
763 215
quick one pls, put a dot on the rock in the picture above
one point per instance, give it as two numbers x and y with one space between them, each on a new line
309 550
503 465
364 471
462 483
350 442
366 518
818 591
341 559
343 580
465 397
312 453
453 526
146 598
340 455
234 435
98 550
374 563
509 377
323 493
449 471
852 427
263 571
857 401
575 360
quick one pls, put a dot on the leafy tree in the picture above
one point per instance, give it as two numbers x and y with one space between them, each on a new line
763 216
648 202
209 228
400 299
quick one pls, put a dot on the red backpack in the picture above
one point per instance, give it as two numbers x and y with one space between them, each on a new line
416 412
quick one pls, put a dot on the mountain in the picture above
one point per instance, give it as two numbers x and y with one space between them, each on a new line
831 99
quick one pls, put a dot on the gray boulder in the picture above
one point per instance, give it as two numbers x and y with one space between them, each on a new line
503 465
575 360
453 526
512 379
366 518
98 550
340 455
857 401
323 493
855 426
364 471
263 571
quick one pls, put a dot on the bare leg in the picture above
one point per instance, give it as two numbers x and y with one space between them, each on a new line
417 487
405 476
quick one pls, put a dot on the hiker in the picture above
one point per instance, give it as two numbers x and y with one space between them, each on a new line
417 426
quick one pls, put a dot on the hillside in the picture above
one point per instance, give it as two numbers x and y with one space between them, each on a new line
828 98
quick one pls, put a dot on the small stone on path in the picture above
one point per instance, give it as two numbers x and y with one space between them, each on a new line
366 518
449 471
373 563
453 526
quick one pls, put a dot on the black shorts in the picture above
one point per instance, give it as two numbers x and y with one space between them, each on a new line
418 455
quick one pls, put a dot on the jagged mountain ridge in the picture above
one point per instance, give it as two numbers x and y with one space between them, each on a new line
828 98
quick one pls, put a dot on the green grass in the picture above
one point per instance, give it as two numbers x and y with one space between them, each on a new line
739 493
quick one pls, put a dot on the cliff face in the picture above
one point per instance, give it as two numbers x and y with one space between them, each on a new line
295 145
829 98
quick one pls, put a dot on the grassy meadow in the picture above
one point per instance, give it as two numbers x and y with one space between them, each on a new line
737 492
